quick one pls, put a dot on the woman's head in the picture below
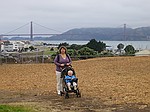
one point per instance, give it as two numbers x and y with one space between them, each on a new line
62 50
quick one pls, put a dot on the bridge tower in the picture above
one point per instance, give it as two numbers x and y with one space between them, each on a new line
31 32
124 32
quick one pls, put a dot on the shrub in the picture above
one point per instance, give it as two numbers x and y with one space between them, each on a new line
97 46
86 51
130 50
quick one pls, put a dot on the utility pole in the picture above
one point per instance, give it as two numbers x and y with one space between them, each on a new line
0 43
31 32
124 32
0 50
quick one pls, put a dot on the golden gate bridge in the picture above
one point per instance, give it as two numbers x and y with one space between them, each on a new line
31 34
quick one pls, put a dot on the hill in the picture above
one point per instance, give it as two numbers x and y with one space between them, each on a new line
109 34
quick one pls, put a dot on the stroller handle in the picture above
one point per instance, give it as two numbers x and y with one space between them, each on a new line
65 70
65 65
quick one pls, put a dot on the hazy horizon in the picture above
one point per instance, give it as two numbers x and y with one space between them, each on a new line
69 14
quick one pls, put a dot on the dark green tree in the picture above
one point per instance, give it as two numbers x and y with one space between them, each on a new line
72 52
120 47
52 49
130 50
75 46
97 46
86 51
31 48
63 44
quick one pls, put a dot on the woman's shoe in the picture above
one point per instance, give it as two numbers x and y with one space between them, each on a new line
59 93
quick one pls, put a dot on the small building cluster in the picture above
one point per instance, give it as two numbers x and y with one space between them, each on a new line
11 46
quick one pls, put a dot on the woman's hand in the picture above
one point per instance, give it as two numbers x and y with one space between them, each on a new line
68 64
62 65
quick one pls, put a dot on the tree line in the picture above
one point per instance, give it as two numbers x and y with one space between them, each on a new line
96 48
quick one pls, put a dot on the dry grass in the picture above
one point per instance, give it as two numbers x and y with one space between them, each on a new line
118 79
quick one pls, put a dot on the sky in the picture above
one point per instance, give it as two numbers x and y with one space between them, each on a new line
63 15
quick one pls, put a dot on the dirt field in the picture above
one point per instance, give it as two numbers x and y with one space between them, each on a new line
114 84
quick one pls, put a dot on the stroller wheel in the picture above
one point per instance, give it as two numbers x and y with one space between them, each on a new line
61 93
66 95
78 93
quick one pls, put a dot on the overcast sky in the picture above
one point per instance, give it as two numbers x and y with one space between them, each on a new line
63 15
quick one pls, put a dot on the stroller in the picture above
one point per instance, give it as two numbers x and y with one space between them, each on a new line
66 90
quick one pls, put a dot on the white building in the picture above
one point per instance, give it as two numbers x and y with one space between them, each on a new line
14 45
6 46
17 45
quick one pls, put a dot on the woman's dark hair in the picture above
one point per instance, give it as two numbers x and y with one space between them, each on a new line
62 47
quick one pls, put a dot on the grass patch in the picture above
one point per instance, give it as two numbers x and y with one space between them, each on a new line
48 52
9 108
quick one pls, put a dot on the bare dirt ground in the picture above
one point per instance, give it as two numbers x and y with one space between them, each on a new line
114 84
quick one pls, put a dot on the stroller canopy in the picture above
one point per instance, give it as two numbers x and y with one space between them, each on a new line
65 71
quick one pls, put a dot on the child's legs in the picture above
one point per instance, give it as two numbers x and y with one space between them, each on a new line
68 84
74 84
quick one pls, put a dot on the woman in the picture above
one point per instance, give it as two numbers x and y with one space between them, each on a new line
61 60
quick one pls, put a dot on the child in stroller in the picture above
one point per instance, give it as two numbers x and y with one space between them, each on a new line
71 79
70 82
